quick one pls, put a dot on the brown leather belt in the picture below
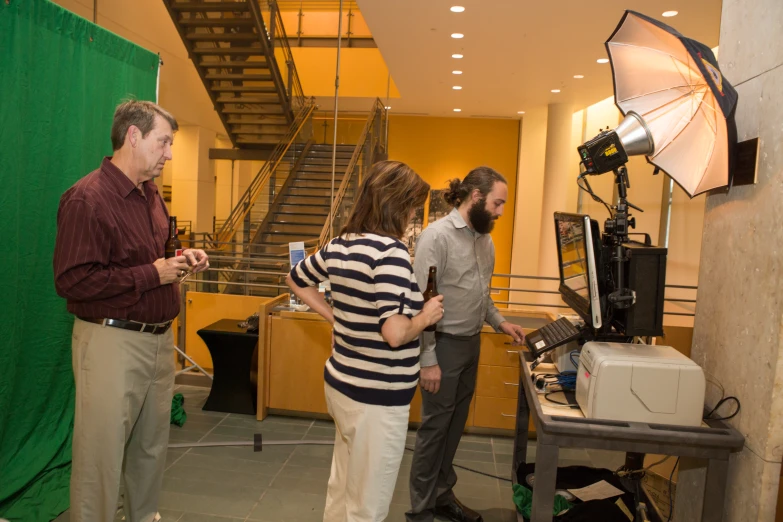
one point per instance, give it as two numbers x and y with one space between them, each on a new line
156 328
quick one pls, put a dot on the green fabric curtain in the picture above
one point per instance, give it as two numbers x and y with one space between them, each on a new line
62 77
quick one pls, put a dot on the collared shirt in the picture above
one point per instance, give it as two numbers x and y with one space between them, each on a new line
465 261
109 234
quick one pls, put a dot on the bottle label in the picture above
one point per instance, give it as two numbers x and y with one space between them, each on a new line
178 252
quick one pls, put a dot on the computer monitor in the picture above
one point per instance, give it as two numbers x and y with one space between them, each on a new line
578 252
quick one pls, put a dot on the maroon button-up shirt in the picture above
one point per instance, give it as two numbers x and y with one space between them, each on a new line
108 237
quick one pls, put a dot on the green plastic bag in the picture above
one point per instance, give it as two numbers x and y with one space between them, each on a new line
523 500
178 415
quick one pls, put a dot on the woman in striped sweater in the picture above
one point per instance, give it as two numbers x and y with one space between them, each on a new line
378 315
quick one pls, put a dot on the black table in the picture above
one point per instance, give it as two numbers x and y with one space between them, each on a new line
712 445
233 352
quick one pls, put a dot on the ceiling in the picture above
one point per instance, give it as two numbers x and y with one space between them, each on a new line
515 51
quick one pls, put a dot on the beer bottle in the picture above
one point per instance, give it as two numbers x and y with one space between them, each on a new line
431 291
173 244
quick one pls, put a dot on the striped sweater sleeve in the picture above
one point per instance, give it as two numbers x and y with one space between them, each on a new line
311 270
396 291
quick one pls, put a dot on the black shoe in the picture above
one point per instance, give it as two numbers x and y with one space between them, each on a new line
458 512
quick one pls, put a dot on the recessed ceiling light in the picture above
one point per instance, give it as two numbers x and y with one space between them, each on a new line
555 91
457 56
520 112
457 35
388 107
457 110
578 76
457 9
603 60
457 87
456 72
669 14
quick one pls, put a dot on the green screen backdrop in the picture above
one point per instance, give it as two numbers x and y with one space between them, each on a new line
62 77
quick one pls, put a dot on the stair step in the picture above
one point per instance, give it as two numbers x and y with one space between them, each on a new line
226 7
288 208
244 88
298 218
233 64
328 154
284 239
228 51
321 169
242 77
310 229
315 184
328 146
222 37
255 100
217 22
324 176
255 110
242 129
269 120
305 191
258 139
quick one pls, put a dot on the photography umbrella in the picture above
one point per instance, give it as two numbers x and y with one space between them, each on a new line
675 85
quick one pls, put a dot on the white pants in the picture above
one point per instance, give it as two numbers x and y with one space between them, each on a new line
124 382
368 448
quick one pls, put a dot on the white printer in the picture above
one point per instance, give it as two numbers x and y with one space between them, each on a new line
641 383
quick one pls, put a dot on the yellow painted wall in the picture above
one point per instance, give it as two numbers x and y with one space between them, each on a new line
439 149
363 72
203 309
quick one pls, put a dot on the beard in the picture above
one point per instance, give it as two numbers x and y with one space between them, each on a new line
481 219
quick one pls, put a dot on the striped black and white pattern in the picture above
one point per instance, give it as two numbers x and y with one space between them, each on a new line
371 280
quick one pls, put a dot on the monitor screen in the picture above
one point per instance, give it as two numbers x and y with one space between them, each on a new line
578 241
573 259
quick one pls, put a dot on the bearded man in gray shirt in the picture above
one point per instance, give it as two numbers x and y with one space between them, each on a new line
460 246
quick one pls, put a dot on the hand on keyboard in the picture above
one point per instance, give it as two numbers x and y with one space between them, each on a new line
515 331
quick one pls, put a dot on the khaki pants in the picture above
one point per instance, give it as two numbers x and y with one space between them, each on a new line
368 447
124 385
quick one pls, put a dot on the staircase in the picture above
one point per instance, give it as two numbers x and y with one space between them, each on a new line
241 53
298 213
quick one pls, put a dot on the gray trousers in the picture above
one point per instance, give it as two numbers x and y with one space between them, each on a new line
443 418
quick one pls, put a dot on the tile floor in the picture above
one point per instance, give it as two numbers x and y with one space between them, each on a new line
288 483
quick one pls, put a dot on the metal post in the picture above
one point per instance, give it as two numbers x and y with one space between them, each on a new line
272 23
299 27
336 103
386 130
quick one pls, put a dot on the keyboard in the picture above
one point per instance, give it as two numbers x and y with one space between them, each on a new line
550 336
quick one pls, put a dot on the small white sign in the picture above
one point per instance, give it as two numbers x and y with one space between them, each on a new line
296 252
598 491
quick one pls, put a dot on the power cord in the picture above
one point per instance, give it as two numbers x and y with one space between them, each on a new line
723 399
587 188
472 470
671 477
720 403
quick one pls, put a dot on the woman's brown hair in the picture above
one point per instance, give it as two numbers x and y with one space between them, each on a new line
387 195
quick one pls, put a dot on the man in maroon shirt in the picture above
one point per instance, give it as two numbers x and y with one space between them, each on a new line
109 265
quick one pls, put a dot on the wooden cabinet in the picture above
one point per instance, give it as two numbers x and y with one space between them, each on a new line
497 381
494 412
300 343
299 349
496 350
